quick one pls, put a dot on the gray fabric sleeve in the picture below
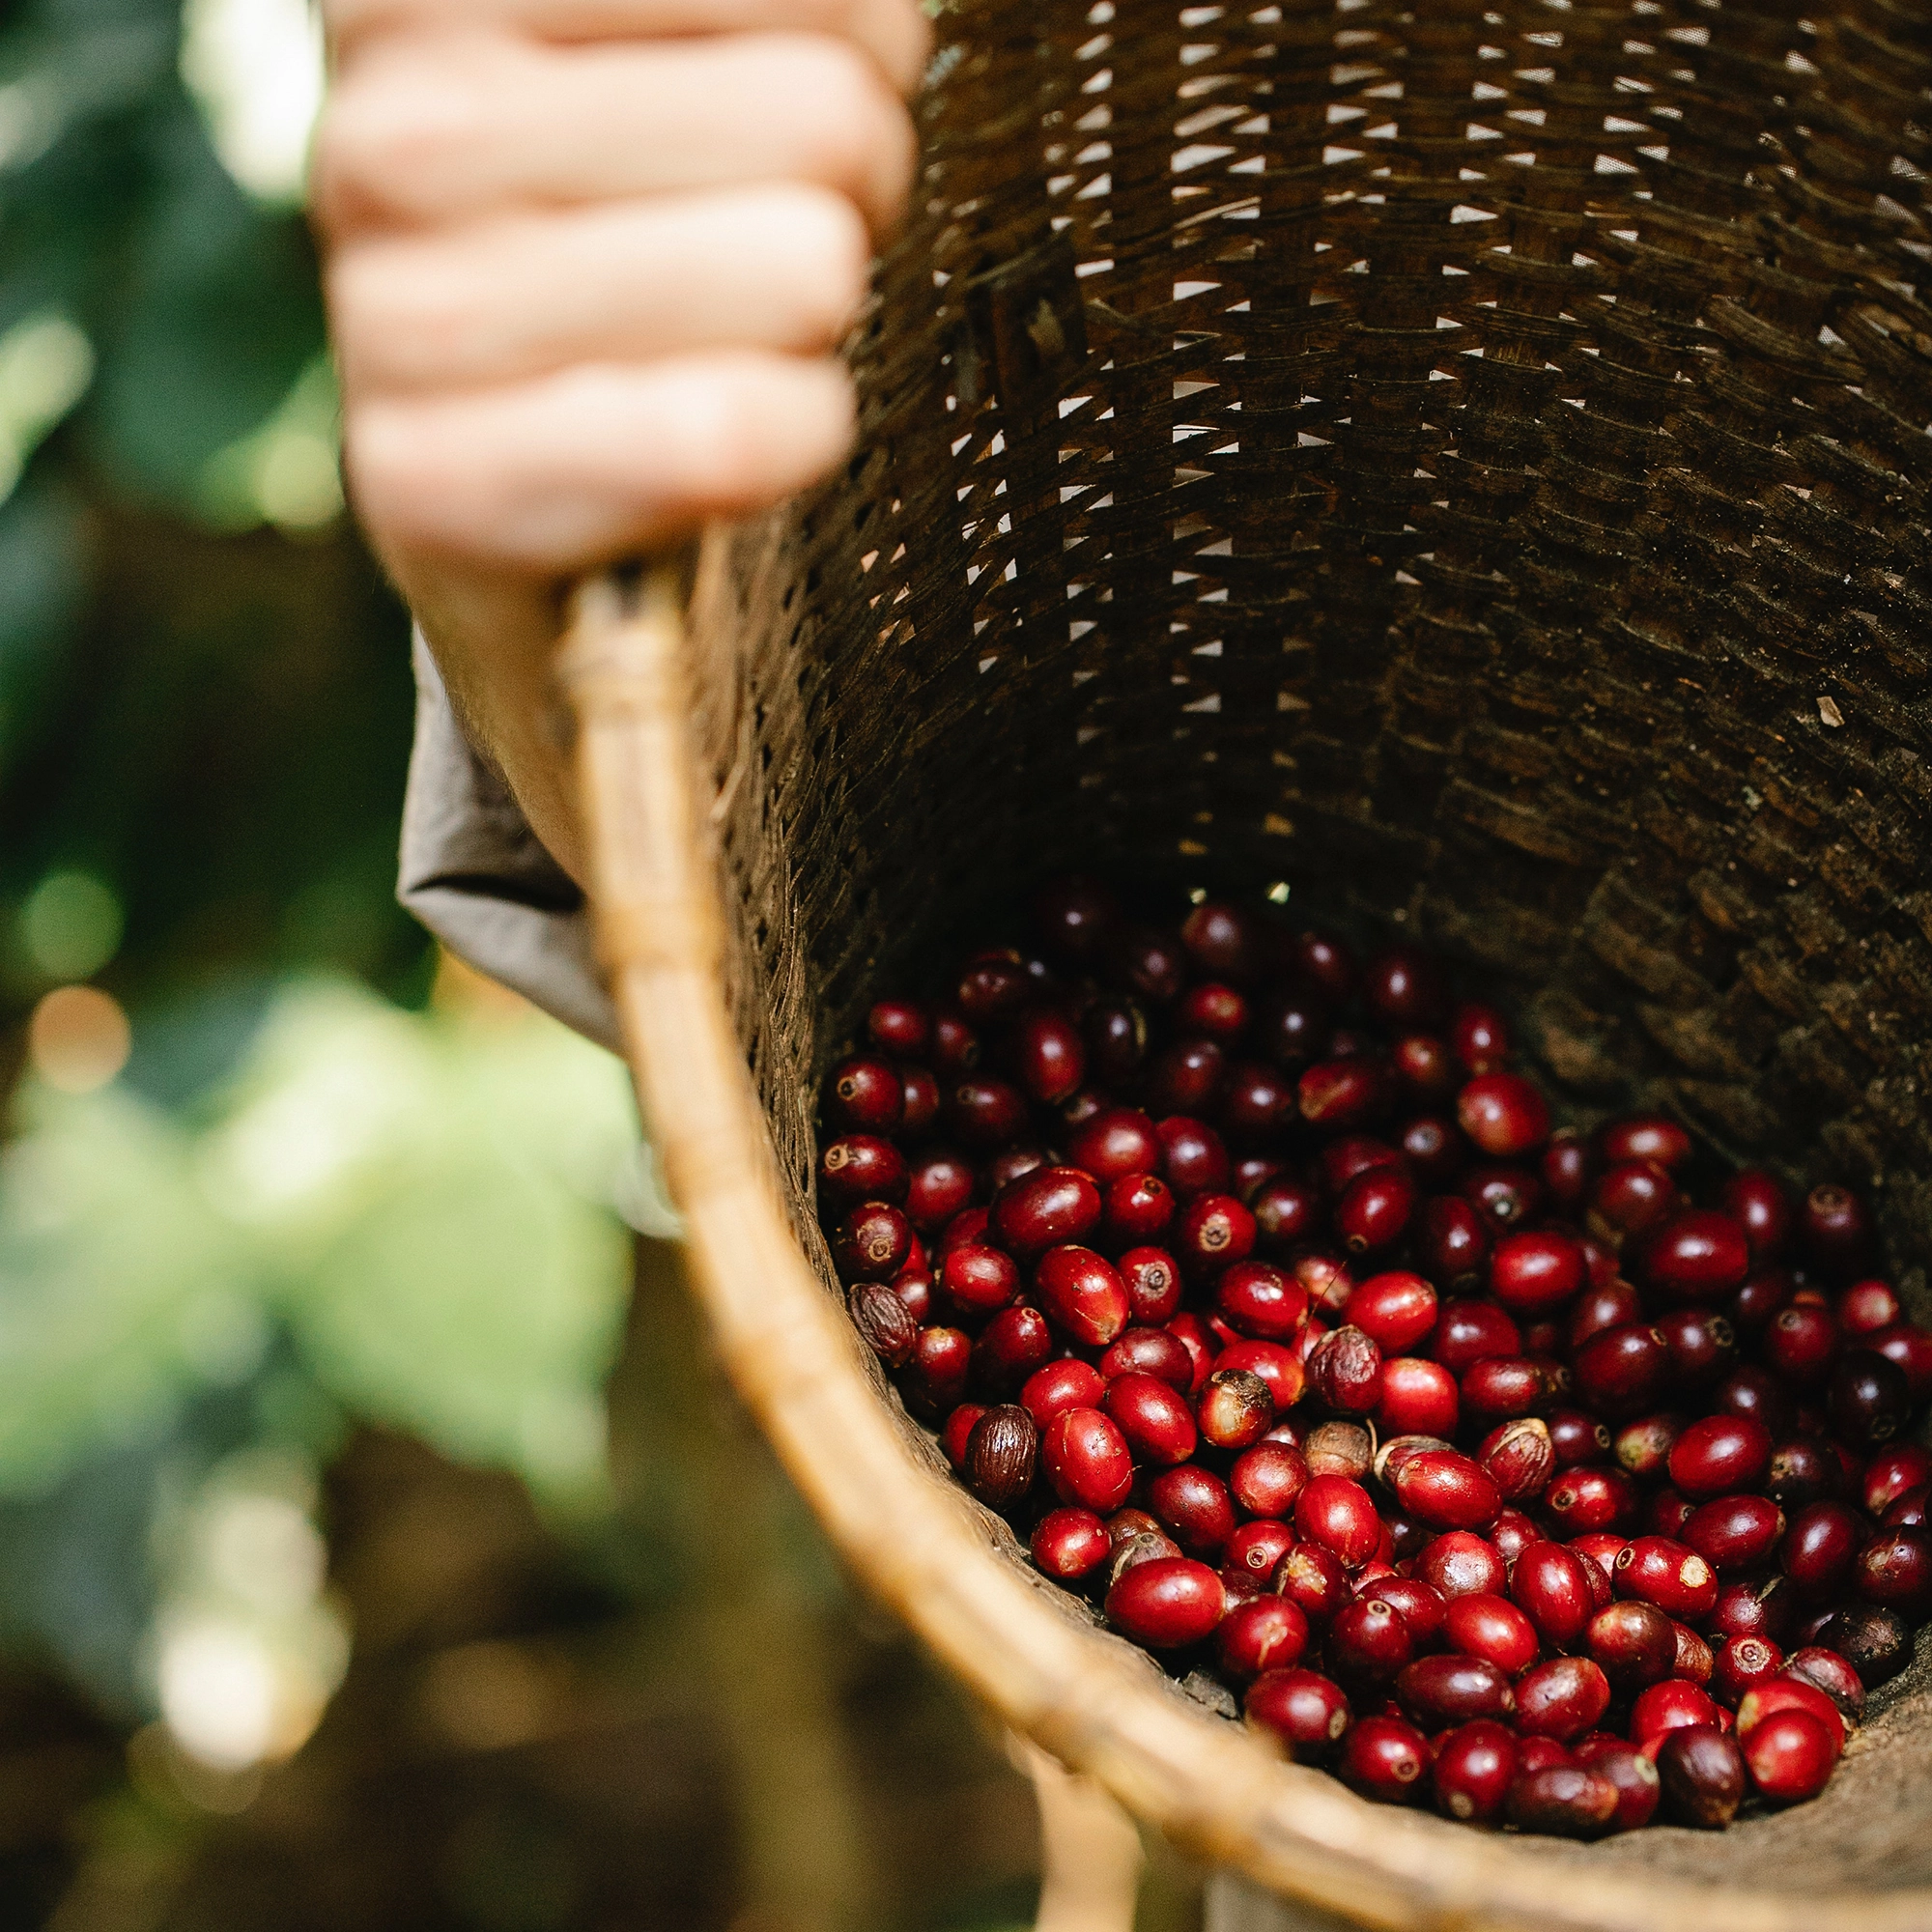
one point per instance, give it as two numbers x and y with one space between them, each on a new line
475 874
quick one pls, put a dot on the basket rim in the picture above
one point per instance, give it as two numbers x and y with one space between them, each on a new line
917 1542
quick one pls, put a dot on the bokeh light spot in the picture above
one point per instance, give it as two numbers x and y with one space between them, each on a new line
70 926
79 1039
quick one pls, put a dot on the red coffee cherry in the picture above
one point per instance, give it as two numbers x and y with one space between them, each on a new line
1261 1302
1835 1229
1420 1609
1060 1387
1909 1346
861 1167
1468 1331
865 1096
1268 1633
1375 1209
1011 1346
1791 1693
1386 1759
958 1429
1440 1691
1741 1665
1452 1240
1565 1800
1475 1766
1087 1460
1550 1585
1396 1309
1503 1387
1152 1278
1566 1168
1286 1211
1909 1511
1458 1563
1213 1009
1418 1397
1760 1607
1735 1532
985 1112
956 1046
1702 1775
920 1092
1448 1490
1827 1671
1278 1367
1599 1551
1254 1552
1403 986
1672 1576
1699 1255
1577 1439
1368 1642
1337 1514
939 1186
1167 1603
1890 1473
1669 1705
1512 1533
1632 1774
1610 1306
1702 1346
1482 1624
1632 1644
1306 1709
1424 1066
1868 1306
1069 1544
1789 1758
1149 1351
1803 1471
1533 1273
1049 1056
901 1027
1152 1416
1136 1209
1011 1164
1561 1698
1312 1577
1192 1504
1643 1447
1266 1478
978 1282
1761 1297
1538 1753
936 1375
1479 1036
1235 1408
1082 1295
1116 1034
1756 1201
1651 1137
1186 1077
1044 1209
1503 1114
1720 1456
1581 1500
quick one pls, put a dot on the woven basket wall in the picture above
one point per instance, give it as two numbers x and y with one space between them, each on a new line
1470 462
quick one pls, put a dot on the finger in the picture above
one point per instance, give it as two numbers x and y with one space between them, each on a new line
572 470
451 128
892 33
782 268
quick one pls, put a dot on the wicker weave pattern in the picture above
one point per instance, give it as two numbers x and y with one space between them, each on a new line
1493 494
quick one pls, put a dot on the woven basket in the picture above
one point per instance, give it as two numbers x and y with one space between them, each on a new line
1471 464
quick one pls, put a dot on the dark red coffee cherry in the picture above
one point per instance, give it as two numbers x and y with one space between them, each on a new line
1442 1692
1069 1544
1892 1472
1375 1209
1909 1346
1632 1644
1261 1302
1049 1057
1185 1078
861 1167
1503 1195
865 1096
1115 1033
936 1375
1002 1453
1311 1576
1013 1346
1802 1345
1480 1623
1561 1699
1345 1371
1475 1766
1256 1101
1304 1709
1424 1066
1622 1370
1631 1200
1869 1400
1720 1455
1735 1532
1468 1331
985 1112
1192 1504
1403 987
1835 1229
1697 1256
1576 1440
1149 1351
1197 1161
1342 1094
979 1281
1563 1801
956 1046
1579 1501
1213 1009
1632 1774
1755 1392
1876 1642
940 1185
1167 1603
1286 1211
1452 1241
1278 1367
1895 1571
1151 965
1702 1775
1117 1141
1433 1148
1803 1471
1213 1231
1503 1387
1044 1209
899 1027
1503 1115
1420 1607
1702 1346
874 1240
1868 1306
1756 1201
1741 1665
1819 1548
1827 1671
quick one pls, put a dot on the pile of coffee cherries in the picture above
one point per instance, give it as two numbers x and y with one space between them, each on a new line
1541 1475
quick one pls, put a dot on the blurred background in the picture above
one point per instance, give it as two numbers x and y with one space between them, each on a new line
377 1547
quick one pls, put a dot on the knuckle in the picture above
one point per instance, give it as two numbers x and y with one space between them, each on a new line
388 128
848 120
834 259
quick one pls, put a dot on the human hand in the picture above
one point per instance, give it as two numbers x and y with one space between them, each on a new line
588 264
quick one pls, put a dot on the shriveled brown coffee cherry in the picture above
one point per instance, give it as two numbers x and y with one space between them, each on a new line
1002 1454
1702 1775
884 1321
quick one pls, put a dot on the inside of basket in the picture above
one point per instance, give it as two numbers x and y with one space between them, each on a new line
1470 466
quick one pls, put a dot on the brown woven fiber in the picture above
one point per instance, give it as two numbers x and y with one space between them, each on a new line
1470 462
